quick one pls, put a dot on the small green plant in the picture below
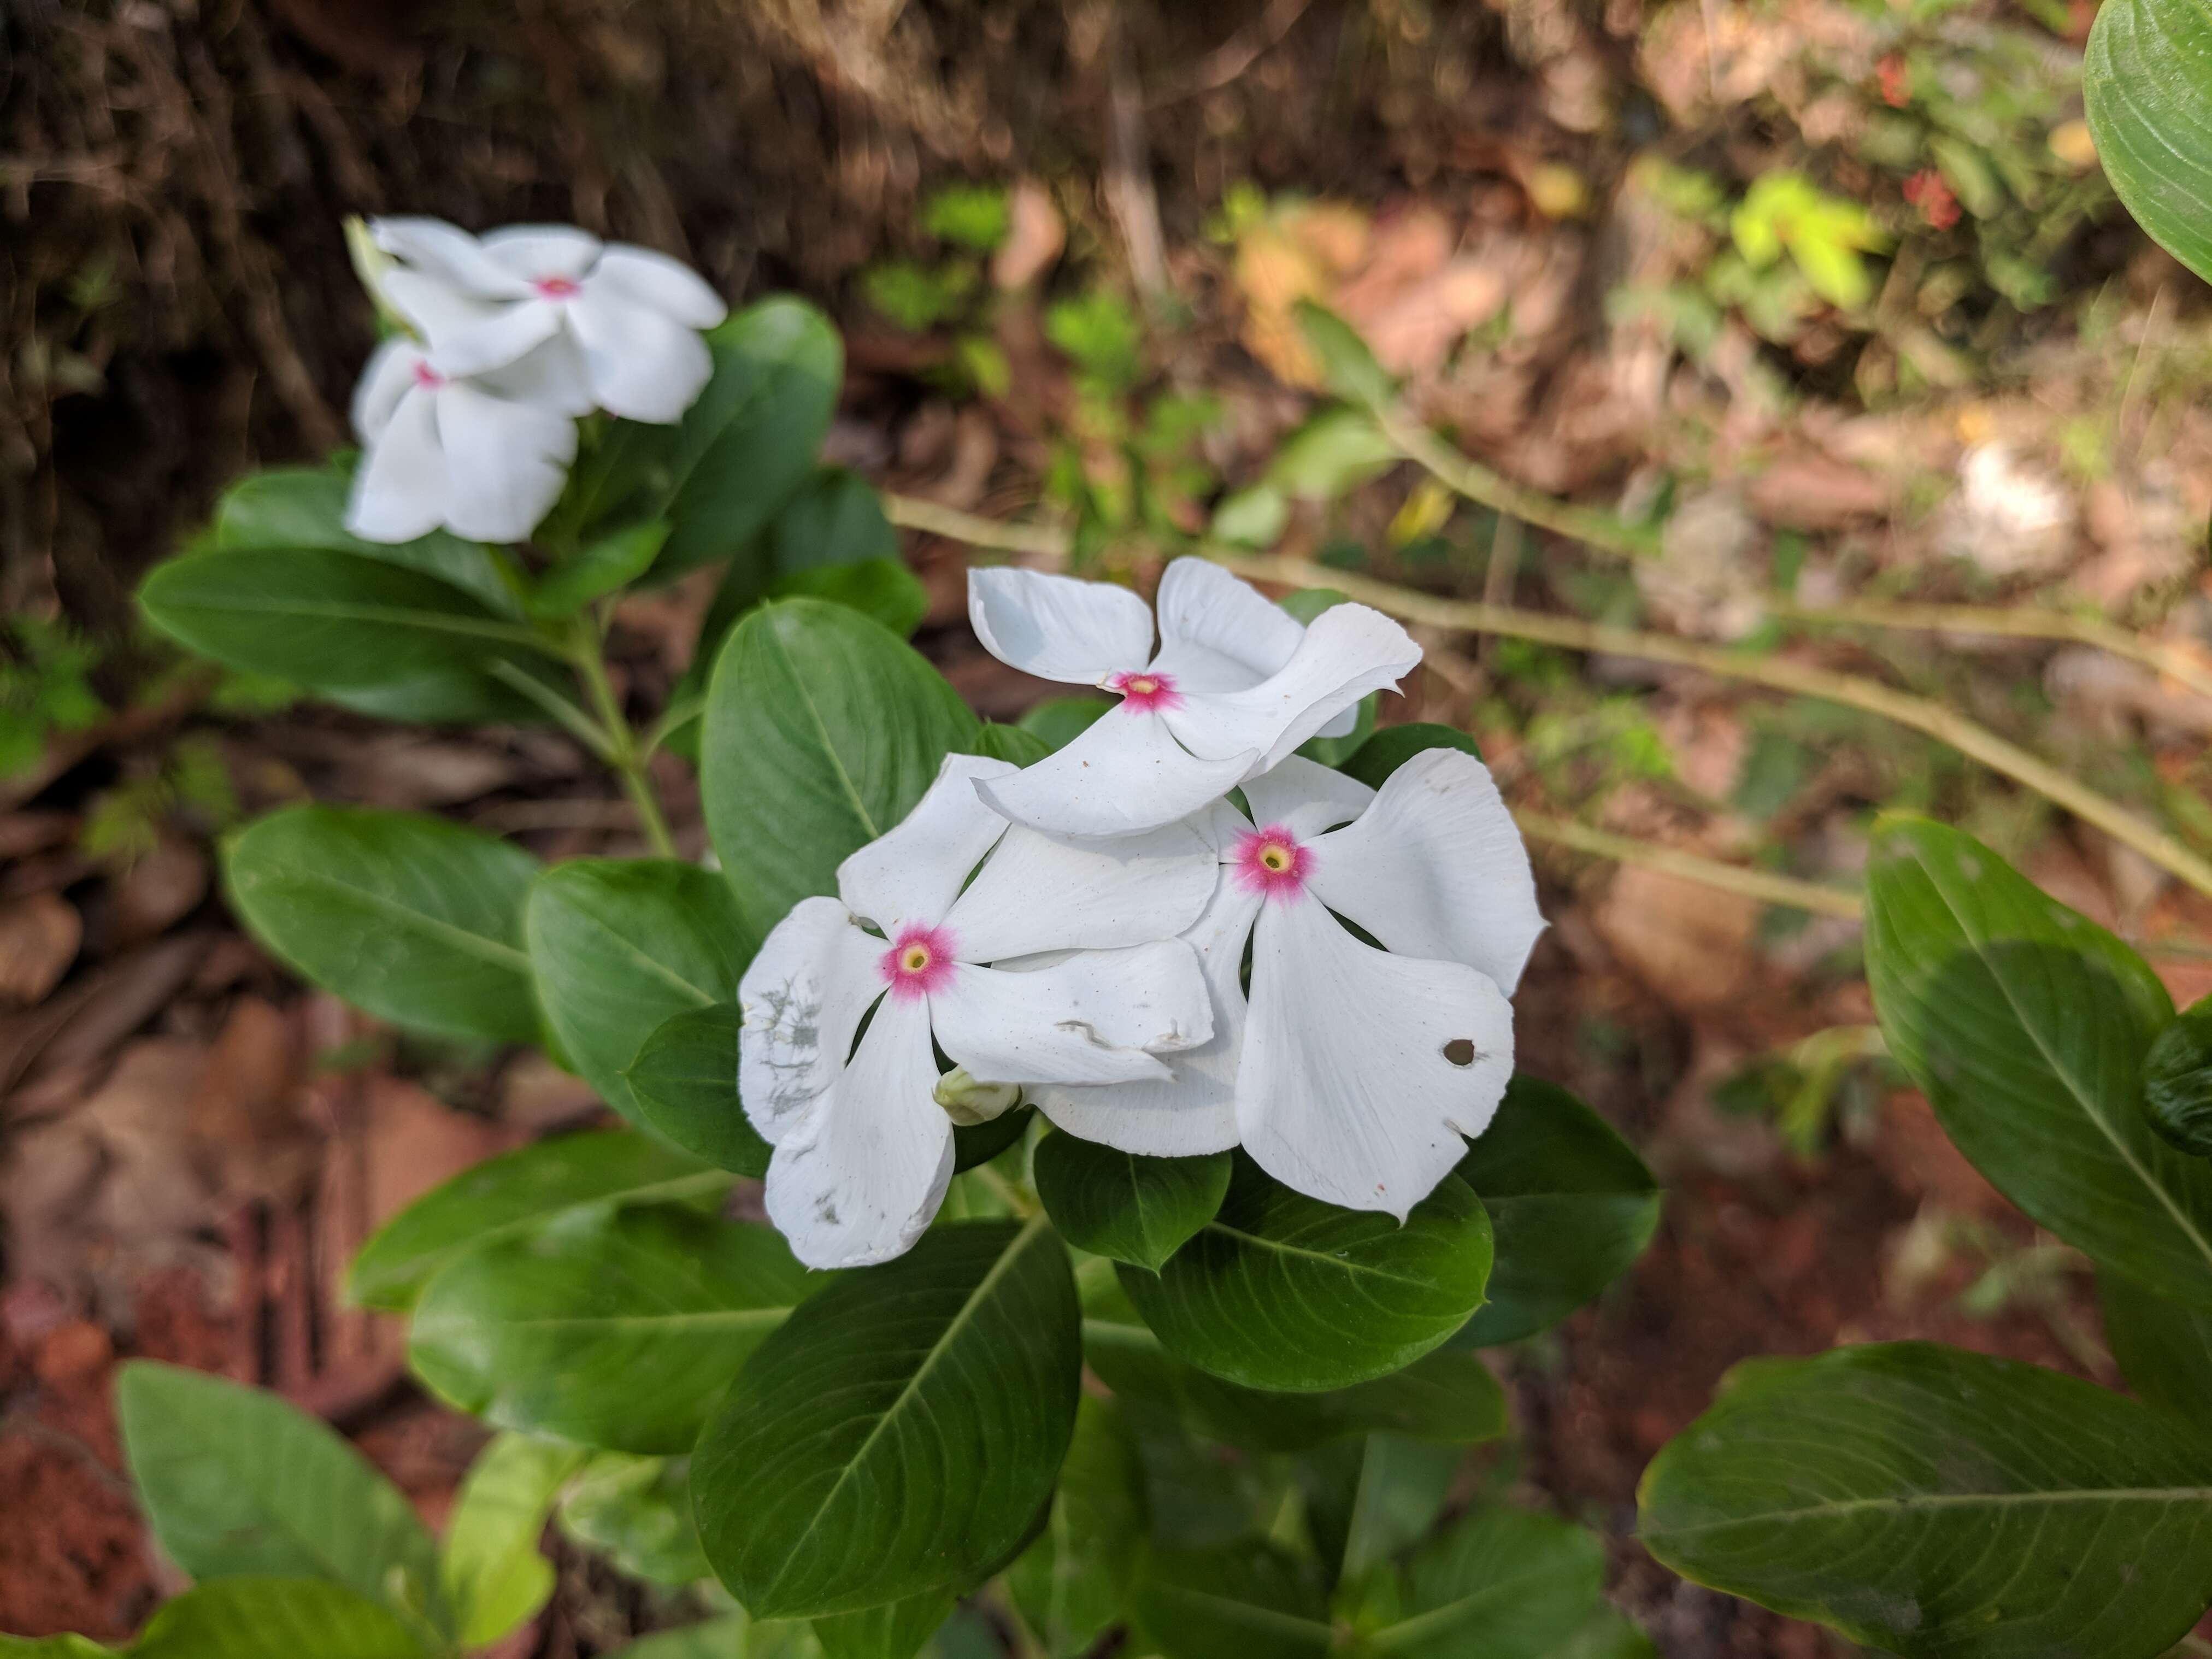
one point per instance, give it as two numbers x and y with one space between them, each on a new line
45 687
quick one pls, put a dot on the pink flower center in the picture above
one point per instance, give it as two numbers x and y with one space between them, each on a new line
919 961
1147 691
428 377
1272 862
556 288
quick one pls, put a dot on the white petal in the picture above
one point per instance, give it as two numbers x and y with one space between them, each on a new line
1221 624
1306 798
400 488
534 253
1195 1111
800 1001
506 462
389 377
1057 627
910 874
551 376
644 366
1349 650
1087 1019
858 1176
1345 1092
438 249
1122 775
1343 726
497 342
1050 893
1437 868
439 308
673 289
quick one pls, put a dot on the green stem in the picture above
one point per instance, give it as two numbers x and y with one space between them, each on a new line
622 752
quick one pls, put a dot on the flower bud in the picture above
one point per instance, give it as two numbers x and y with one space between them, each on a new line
969 1102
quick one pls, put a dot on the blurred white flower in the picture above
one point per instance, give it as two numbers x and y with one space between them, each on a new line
485 459
605 324
863 1141
1235 686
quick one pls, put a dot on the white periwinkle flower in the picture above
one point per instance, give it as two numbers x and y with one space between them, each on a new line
1236 685
605 324
485 459
1354 1072
863 1149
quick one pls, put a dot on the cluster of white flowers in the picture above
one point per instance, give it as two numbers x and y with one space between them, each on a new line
472 425
1081 927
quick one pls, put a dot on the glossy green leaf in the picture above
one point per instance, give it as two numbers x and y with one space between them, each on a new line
822 729
901 1431
52 1647
1138 1210
1074 1581
637 1511
1280 1290
882 590
517 1192
1571 1205
1933 1502
896 1630
1393 746
1503 1583
495 1576
836 518
621 946
275 1618
732 1636
1060 720
1249 1600
684 1086
611 562
1014 745
2164 1348
979 1143
616 1328
1370 1499
2146 79
413 919
2026 1025
1605 1634
2178 1081
235 1481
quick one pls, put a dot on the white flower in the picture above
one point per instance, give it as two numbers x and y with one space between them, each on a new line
1235 686
1353 1073
485 459
863 1151
606 325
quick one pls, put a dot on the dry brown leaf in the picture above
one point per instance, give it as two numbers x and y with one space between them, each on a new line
39 940
1813 492
156 892
1035 236
1690 943
251 1137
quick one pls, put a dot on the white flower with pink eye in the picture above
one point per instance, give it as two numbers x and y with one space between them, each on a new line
1236 685
484 458
605 324
1352 1074
863 1151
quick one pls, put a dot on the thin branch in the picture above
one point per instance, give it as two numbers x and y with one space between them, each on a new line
1761 884
912 513
1418 445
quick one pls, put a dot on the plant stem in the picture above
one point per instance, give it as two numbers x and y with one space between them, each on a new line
1761 884
622 751
910 512
1422 446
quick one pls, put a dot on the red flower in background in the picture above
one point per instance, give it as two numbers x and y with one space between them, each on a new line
1926 191
1895 89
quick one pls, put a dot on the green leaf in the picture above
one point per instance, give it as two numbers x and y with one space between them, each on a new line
1074 1581
1250 1600
1503 1583
1605 1634
1331 455
733 1636
275 1618
611 562
900 1433
1280 1290
684 1085
1138 1210
236 1482
837 518
637 1512
2164 1348
1369 1500
979 1143
1253 518
613 1328
882 590
52 1647
1015 744
1448 1395
621 947
896 1630
1932 1502
411 917
494 1575
2026 1025
1060 720
1347 364
1571 1205
849 723
516 1192
2144 80
2178 1081
331 621
1393 746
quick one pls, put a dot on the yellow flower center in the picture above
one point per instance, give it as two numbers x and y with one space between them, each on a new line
914 958
1276 858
